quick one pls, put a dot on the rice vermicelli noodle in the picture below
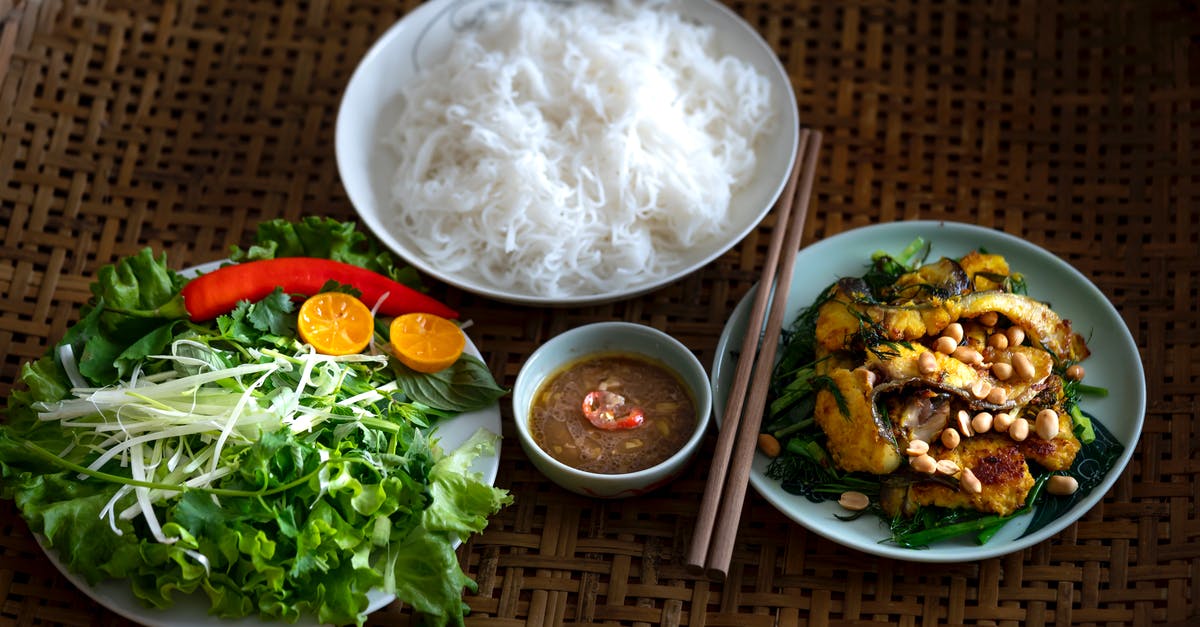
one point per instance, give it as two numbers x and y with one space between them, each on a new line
571 149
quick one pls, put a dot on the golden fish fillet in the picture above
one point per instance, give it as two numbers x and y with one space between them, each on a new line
837 325
1055 454
856 441
984 271
1021 389
938 280
903 366
1059 452
996 462
841 320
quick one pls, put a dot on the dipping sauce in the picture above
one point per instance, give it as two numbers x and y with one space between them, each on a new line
559 426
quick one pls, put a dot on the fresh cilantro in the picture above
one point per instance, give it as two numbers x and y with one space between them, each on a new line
273 318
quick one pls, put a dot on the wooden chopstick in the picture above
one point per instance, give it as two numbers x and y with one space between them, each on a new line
712 542
706 518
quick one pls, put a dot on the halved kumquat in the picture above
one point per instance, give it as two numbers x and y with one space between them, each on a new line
335 323
426 342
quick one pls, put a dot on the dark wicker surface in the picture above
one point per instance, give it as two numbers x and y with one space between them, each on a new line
1075 125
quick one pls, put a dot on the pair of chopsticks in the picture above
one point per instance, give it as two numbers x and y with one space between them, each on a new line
721 508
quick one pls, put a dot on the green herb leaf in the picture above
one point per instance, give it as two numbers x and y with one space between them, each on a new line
465 386
272 314
139 283
315 236
249 323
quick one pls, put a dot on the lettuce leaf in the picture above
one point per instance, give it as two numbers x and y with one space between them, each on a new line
461 501
138 283
316 549
133 313
316 236
461 497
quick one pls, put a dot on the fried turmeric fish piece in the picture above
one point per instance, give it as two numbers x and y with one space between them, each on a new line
998 464
857 442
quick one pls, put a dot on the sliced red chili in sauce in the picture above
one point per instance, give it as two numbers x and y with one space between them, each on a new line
609 411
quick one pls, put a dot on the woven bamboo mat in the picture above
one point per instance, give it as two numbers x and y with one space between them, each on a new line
1074 124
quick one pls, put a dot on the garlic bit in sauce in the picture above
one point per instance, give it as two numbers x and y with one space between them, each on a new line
612 413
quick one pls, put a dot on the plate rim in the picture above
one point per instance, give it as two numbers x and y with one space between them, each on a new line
116 595
362 194
931 229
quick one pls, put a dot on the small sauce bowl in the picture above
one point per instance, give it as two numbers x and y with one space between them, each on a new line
610 338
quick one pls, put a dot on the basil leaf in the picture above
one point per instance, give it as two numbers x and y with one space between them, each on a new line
465 386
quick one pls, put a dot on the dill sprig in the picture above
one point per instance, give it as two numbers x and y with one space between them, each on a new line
874 337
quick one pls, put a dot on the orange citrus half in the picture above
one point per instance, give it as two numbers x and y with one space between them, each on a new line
335 323
425 342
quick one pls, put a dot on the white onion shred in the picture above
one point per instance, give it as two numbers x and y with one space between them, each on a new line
166 427
66 355
571 149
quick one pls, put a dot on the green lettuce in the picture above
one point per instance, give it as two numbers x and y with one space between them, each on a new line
301 523
315 236
133 313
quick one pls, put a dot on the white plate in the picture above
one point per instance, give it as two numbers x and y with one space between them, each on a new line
371 100
192 610
1114 364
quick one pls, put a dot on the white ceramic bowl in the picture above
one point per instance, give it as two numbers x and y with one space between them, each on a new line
603 337
372 101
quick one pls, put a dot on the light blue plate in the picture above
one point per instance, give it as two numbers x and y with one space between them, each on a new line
1114 364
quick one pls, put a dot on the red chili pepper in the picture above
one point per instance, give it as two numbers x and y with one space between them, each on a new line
609 411
218 292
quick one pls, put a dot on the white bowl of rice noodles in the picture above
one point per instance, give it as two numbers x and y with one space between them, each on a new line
561 153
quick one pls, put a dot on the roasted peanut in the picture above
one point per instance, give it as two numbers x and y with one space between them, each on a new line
989 319
926 363
964 423
1002 422
997 395
950 438
1062 485
982 422
998 341
768 445
1016 336
916 448
1002 370
924 464
1075 372
947 466
967 355
1022 367
980 388
954 331
970 482
1046 424
945 345
854 501
1019 430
